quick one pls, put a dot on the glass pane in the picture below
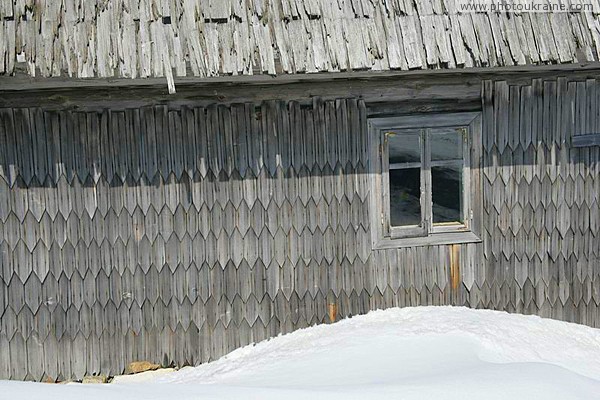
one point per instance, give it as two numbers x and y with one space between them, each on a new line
447 194
405 196
446 144
404 146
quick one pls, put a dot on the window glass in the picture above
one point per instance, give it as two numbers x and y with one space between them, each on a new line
405 196
404 146
446 144
404 150
407 167
447 194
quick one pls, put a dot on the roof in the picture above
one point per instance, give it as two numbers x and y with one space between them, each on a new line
173 38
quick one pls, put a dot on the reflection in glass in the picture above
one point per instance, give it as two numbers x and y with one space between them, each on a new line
447 194
405 196
404 147
446 144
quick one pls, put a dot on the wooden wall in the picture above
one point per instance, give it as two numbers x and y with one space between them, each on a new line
178 233
541 199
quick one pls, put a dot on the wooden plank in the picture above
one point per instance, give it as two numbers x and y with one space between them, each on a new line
106 166
586 140
201 148
163 142
175 134
189 133
525 121
550 112
149 143
270 134
501 110
18 351
39 141
580 108
24 144
239 136
538 110
80 146
4 146
488 114
134 143
225 131
514 117
214 140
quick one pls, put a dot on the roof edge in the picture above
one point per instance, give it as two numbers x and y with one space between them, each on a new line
22 83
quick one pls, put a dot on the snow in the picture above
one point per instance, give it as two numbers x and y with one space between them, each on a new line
410 353
142 376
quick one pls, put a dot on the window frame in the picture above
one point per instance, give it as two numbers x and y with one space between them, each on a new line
466 198
384 235
410 230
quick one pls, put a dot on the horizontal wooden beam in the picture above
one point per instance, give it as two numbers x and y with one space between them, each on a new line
24 82
381 90
586 140
386 87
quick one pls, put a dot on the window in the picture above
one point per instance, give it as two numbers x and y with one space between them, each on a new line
426 182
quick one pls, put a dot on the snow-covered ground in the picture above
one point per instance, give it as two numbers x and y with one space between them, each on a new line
410 353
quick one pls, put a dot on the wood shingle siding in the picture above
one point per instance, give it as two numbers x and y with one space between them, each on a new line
176 38
177 233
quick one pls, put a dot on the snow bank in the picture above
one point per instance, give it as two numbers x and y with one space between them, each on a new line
410 353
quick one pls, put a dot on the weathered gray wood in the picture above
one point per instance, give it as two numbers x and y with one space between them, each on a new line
407 38
248 218
132 131
586 140
163 142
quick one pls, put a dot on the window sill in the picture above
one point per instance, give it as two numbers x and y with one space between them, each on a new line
433 239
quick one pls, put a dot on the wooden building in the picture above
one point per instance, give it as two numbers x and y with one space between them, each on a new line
232 169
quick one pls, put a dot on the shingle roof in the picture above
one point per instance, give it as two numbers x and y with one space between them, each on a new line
155 38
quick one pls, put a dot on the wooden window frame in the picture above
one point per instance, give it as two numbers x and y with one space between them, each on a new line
386 236
401 231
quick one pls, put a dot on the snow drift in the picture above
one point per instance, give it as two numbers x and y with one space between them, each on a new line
410 353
